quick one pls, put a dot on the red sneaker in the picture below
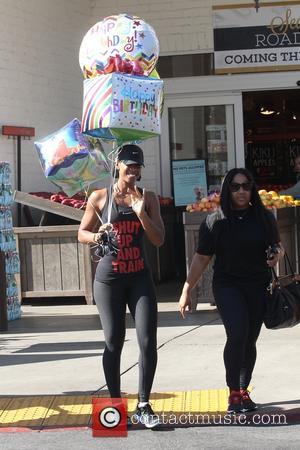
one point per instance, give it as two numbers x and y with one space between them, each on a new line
247 403
235 402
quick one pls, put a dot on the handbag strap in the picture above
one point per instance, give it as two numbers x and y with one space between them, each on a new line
287 266
274 275
287 260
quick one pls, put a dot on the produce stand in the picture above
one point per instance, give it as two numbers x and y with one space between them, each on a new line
48 205
53 262
203 291
162 259
288 223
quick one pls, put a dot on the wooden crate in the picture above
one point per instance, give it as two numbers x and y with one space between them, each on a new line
161 260
203 291
53 262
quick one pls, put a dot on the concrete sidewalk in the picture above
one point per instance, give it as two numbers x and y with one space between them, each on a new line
57 350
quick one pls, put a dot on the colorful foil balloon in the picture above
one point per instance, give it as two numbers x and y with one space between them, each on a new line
67 160
122 107
116 64
127 37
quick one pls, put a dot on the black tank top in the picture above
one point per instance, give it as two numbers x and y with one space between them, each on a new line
130 259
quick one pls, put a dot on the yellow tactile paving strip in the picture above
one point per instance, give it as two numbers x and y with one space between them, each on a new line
38 412
25 411
68 411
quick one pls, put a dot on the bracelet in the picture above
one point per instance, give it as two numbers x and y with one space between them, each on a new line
92 241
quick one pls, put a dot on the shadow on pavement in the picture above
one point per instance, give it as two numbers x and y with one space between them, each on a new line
62 347
64 323
15 360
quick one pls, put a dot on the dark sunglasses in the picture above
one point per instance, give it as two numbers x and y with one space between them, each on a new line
235 187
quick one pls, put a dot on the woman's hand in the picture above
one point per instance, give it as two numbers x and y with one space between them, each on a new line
275 259
102 229
185 303
138 201
105 227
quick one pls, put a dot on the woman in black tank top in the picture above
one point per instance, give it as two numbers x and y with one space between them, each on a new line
123 276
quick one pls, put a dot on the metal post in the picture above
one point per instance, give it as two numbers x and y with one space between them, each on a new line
19 171
3 300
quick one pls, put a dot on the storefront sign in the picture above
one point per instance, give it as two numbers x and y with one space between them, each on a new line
189 181
262 40
272 162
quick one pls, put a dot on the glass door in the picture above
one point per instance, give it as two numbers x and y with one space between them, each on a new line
203 132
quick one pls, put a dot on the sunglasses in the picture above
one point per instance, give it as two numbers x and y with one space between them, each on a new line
235 187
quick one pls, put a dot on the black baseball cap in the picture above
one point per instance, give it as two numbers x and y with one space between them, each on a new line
131 154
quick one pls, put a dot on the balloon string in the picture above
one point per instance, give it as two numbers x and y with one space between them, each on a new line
112 159
85 189
86 196
97 214
115 153
87 199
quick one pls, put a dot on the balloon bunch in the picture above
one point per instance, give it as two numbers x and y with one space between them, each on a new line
123 97
70 160
122 91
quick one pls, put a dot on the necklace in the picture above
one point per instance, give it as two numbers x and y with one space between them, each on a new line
241 214
118 192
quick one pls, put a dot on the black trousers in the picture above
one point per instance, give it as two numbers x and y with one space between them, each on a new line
111 299
242 309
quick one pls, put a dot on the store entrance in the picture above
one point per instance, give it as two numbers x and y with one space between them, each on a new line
272 136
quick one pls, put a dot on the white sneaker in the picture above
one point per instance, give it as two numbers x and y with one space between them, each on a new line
146 416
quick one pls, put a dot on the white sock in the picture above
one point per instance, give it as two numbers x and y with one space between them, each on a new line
142 404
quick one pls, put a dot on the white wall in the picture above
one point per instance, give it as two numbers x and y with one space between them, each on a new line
40 78
181 26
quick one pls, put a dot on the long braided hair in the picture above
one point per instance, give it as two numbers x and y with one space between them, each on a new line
262 214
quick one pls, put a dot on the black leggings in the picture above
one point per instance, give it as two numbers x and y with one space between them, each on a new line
242 309
111 299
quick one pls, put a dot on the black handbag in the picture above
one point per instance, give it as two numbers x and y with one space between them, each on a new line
283 299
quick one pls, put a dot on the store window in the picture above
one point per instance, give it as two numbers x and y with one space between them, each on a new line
272 136
199 133
186 65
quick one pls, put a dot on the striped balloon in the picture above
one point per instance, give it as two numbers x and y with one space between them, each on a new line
97 106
